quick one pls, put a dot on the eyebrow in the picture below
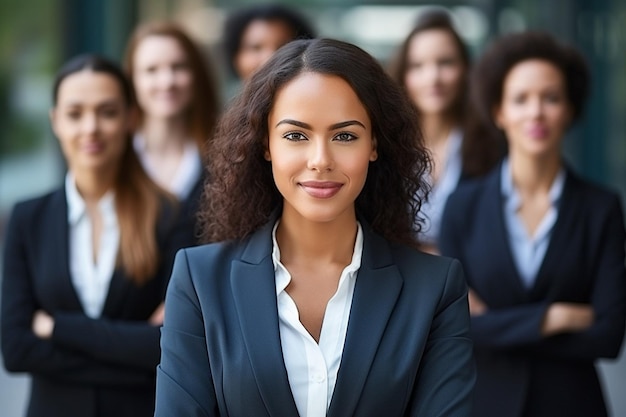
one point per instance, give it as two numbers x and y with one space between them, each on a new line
332 127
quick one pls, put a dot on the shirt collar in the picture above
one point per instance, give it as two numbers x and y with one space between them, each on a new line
512 196
76 207
284 279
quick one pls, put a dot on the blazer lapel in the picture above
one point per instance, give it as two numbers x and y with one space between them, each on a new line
561 238
377 288
66 295
254 292
492 208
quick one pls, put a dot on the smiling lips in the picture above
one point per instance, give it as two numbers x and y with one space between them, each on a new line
321 189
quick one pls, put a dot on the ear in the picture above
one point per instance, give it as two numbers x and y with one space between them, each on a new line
266 155
374 154
53 123
496 115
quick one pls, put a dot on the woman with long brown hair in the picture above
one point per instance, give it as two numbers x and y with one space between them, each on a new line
86 266
177 105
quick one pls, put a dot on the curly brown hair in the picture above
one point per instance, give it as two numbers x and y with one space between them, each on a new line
240 194
509 50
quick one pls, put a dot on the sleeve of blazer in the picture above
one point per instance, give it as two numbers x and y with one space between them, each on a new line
446 377
608 295
184 380
22 350
125 343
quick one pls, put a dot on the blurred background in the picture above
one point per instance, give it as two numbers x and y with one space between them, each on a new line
37 36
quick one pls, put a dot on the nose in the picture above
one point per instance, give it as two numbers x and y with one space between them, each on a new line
320 158
535 107
90 123
166 76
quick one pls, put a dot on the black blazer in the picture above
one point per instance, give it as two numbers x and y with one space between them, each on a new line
90 367
407 351
521 373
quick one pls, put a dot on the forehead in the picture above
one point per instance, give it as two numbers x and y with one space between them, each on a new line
318 98
273 28
433 41
158 48
87 86
533 73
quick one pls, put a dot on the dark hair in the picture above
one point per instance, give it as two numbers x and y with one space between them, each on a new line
509 50
137 198
94 63
241 195
481 147
238 22
205 104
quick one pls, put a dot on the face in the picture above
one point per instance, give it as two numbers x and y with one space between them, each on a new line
162 77
259 41
435 71
535 111
91 121
320 146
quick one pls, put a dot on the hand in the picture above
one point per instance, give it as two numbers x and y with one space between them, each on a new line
157 317
567 318
476 305
43 324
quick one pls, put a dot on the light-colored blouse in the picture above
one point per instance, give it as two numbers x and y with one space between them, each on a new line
528 251
188 172
311 367
91 278
432 209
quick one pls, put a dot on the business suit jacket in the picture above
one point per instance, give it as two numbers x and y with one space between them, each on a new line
521 373
89 367
407 350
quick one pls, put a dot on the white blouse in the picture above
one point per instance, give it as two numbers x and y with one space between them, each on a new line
188 172
432 209
311 367
91 278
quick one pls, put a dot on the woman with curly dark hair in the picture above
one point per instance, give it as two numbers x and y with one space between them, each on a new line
311 299
253 33
543 249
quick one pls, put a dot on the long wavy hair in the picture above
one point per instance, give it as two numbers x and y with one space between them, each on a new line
137 198
205 103
240 195
481 148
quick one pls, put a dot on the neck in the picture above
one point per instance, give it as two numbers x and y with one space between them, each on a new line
437 128
92 185
301 239
164 134
532 175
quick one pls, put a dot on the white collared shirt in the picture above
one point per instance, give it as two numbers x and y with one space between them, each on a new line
311 367
528 251
432 208
91 279
188 171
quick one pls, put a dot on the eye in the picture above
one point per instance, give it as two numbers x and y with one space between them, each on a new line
345 137
110 113
73 115
294 136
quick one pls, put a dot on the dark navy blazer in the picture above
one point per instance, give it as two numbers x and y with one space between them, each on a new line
521 373
407 350
90 367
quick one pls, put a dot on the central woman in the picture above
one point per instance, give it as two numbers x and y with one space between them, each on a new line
310 298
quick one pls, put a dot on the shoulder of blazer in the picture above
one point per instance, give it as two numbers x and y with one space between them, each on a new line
32 210
588 193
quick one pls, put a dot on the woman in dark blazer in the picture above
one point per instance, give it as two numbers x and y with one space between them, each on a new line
86 266
313 300
542 249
